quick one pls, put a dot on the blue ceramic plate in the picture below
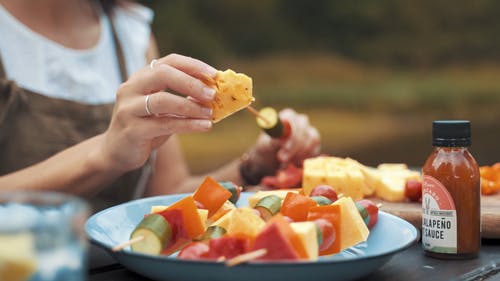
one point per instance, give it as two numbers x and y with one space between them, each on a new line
114 225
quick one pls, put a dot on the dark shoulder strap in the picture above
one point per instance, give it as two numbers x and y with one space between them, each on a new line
119 51
2 70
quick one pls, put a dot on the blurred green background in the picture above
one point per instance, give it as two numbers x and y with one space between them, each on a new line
371 75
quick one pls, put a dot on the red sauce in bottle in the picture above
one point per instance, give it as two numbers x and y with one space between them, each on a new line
451 194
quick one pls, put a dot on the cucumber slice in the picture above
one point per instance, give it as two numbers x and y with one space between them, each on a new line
156 233
233 188
268 206
321 200
272 124
213 231
319 234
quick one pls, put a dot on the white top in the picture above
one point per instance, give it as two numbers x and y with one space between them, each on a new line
89 76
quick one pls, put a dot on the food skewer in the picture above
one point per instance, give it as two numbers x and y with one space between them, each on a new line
270 122
150 236
243 258
368 211
125 244
258 115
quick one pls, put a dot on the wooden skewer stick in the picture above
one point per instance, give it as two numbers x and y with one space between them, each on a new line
257 114
379 205
246 257
127 243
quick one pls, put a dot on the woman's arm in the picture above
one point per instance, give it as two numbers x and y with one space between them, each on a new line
132 134
80 169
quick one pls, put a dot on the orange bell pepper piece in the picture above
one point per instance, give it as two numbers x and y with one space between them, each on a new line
192 223
211 195
296 206
490 179
332 214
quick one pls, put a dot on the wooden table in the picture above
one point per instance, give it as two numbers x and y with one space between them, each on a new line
410 264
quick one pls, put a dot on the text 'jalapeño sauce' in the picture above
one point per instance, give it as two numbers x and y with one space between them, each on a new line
451 219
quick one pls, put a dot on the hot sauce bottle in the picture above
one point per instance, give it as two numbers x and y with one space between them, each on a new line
451 219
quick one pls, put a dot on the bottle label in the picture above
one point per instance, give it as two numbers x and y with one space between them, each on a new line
439 218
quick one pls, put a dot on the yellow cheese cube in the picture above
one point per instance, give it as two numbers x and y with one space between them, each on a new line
348 177
343 175
234 92
393 180
311 179
372 180
353 227
307 233
314 173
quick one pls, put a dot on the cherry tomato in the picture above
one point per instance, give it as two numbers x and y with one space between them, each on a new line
194 251
287 129
326 191
368 211
413 190
328 234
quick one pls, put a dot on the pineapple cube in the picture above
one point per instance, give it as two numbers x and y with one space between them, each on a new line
234 92
245 221
224 220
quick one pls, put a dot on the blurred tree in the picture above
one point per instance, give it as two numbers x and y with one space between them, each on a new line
412 32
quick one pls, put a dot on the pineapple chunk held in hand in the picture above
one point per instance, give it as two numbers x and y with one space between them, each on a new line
234 92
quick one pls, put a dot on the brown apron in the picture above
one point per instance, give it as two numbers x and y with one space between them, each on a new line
34 127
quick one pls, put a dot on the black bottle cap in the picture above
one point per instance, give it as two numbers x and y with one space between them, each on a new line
451 133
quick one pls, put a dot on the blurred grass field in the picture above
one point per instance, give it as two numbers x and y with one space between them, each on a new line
372 114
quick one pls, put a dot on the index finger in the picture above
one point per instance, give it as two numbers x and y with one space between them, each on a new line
191 66
165 77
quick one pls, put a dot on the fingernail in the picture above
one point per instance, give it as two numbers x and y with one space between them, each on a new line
206 111
205 124
209 93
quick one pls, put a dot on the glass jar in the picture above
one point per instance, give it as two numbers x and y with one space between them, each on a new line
451 215
42 236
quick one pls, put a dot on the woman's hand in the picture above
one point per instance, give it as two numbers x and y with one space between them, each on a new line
134 132
269 154
304 141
